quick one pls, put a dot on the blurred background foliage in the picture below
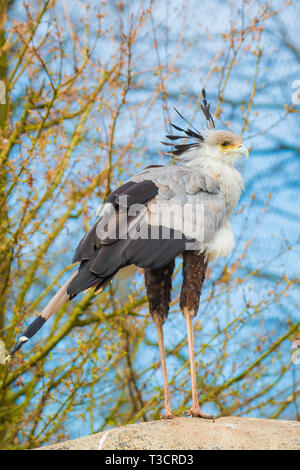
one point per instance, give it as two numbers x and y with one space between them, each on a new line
90 90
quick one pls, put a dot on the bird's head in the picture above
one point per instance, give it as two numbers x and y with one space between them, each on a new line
222 145
218 145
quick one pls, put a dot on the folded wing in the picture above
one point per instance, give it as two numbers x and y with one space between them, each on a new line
148 221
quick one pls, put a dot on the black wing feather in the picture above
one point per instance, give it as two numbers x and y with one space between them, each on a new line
137 193
100 260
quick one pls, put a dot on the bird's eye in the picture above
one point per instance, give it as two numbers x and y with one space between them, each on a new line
224 144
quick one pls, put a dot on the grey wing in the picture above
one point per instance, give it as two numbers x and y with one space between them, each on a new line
188 201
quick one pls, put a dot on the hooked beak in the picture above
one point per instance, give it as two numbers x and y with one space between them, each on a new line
242 150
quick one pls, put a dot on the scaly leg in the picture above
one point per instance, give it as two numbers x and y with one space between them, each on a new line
195 409
194 269
160 335
159 284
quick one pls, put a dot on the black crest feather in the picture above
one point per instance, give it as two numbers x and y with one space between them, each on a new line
206 111
190 132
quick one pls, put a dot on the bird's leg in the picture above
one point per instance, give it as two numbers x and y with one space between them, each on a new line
195 409
160 335
159 284
194 268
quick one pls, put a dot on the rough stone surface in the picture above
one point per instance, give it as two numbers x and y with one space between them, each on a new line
191 434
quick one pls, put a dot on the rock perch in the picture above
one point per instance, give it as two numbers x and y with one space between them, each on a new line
191 434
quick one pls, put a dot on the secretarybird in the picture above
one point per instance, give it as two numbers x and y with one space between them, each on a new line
160 213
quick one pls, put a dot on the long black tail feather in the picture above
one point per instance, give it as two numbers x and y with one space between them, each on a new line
59 299
30 331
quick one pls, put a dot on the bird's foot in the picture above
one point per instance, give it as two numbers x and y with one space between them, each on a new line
168 415
197 413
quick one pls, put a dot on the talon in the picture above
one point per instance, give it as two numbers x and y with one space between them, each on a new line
168 416
197 413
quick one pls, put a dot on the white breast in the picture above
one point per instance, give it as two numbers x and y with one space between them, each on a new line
221 244
229 180
231 184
